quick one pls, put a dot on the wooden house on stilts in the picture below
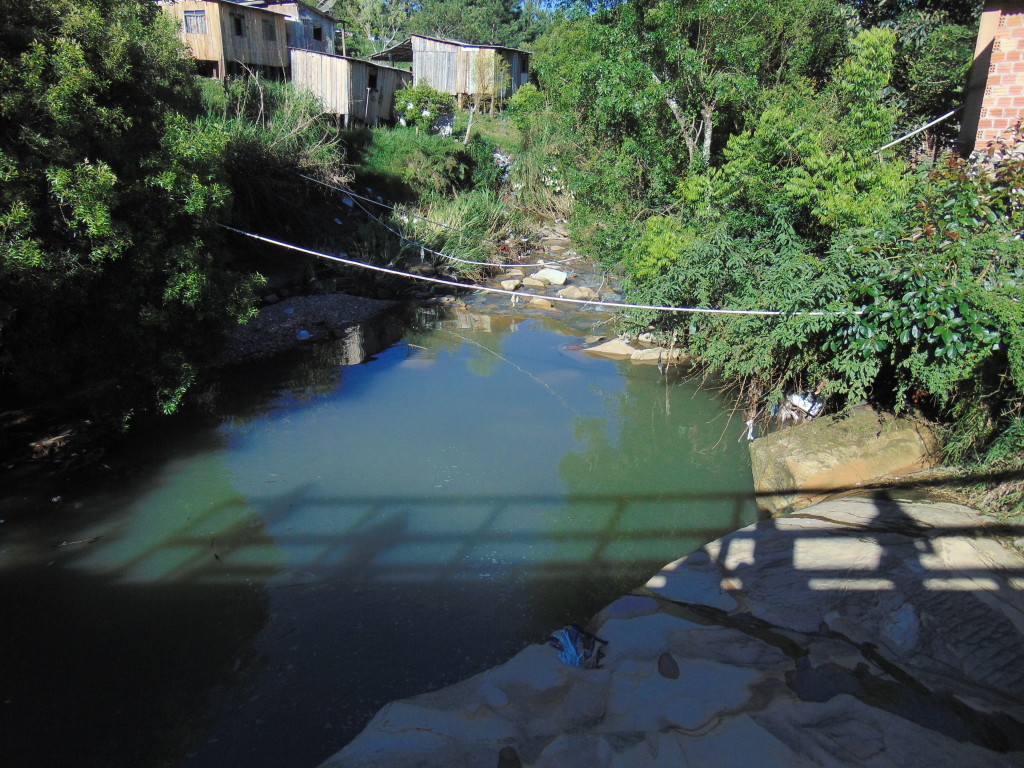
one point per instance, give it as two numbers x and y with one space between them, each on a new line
286 40
354 89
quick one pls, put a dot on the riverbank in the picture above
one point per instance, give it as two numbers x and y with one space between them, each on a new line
860 632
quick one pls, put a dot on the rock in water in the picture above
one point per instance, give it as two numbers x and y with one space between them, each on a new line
615 349
668 667
578 292
551 276
802 465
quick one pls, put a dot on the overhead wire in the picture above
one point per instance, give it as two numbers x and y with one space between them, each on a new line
528 295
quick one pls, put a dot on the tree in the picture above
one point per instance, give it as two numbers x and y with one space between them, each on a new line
709 58
111 277
382 22
487 22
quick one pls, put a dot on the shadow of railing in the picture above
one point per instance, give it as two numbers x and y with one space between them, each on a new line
429 538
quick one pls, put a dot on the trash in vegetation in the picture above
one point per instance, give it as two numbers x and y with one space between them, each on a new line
797 408
576 647
807 404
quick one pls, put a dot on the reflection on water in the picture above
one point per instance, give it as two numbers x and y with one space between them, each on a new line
353 536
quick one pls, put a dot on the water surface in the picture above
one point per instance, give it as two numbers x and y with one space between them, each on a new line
346 535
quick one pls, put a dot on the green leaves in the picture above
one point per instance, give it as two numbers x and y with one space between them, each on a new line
422 106
110 191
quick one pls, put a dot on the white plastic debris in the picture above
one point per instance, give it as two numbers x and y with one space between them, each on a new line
807 404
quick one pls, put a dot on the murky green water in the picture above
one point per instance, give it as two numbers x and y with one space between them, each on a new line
345 536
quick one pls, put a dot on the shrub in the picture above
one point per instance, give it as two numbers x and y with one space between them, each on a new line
421 106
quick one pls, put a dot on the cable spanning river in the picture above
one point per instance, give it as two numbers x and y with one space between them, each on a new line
335 537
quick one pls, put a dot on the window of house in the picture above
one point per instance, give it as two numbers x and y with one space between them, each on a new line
318 33
269 31
239 29
195 22
371 80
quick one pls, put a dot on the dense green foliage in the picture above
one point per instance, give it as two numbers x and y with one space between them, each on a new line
115 279
735 165
381 23
107 207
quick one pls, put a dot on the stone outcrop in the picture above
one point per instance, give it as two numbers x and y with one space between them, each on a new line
360 327
802 465
863 632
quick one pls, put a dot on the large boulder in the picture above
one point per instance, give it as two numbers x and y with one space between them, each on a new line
866 633
803 465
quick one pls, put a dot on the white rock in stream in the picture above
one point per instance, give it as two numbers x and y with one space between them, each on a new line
551 276
615 349
863 632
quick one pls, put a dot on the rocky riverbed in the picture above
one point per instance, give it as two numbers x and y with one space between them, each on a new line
859 632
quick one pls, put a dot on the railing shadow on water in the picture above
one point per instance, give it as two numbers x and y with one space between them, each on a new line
408 538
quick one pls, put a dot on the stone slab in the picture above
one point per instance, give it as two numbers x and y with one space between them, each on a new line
765 647
804 464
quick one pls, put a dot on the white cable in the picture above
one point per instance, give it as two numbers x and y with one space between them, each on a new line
523 294
914 133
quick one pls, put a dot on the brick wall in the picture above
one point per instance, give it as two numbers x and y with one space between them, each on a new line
995 93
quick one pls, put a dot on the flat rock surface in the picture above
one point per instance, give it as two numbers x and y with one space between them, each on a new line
861 632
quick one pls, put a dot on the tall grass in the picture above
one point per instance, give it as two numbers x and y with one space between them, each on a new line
472 226
275 133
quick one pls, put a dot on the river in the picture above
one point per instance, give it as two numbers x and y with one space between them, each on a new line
322 539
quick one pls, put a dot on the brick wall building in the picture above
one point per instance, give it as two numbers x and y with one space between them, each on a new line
995 91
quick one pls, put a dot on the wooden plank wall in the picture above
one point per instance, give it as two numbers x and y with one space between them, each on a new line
206 47
251 47
323 76
389 81
341 85
437 64
222 45
451 68
301 21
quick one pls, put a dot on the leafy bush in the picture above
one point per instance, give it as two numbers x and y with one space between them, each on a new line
113 279
525 110
415 164
421 106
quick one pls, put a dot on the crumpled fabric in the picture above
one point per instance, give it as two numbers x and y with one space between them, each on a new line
576 647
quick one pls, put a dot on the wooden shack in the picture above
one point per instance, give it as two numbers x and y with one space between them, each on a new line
228 38
353 88
307 28
461 69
